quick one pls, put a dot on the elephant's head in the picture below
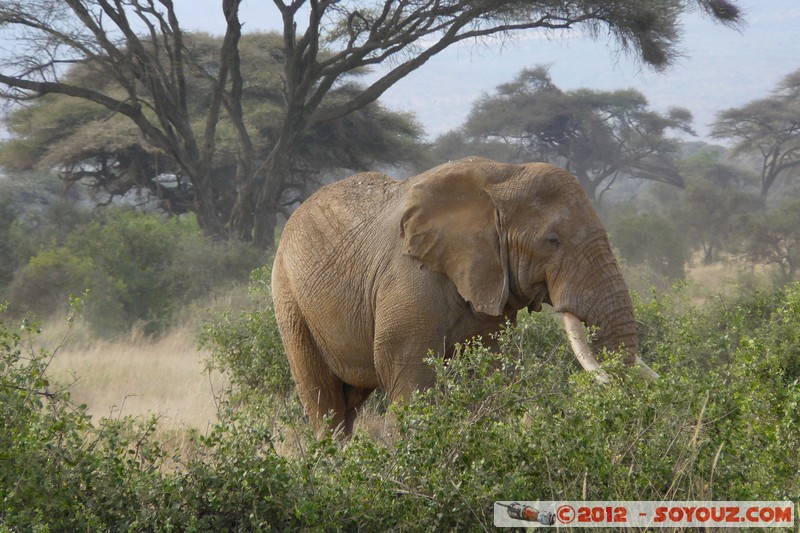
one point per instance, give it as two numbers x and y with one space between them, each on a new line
516 236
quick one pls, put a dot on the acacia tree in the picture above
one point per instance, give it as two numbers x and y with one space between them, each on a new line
773 238
104 151
768 128
597 135
710 213
140 44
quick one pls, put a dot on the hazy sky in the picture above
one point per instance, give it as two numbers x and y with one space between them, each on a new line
721 67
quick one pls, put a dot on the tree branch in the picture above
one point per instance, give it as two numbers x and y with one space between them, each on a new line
331 70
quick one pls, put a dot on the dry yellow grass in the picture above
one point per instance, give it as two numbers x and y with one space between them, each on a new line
138 376
722 278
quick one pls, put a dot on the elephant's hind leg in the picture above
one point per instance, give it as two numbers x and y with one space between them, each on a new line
321 391
354 398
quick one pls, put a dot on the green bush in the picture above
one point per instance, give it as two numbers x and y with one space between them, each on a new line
25 222
43 227
47 281
139 268
245 344
8 214
58 471
721 424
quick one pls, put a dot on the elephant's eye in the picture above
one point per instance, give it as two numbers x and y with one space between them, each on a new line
553 239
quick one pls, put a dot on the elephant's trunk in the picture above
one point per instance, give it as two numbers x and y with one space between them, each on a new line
601 300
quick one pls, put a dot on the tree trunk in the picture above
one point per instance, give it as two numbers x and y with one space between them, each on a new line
264 223
589 186
254 215
708 254
205 201
252 218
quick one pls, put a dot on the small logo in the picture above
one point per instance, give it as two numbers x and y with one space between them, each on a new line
566 514
517 511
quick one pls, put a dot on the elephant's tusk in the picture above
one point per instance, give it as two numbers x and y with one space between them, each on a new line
647 372
580 346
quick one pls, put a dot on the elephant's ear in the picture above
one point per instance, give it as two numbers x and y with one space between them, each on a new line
451 224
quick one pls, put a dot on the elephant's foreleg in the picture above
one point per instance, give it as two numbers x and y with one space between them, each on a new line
401 376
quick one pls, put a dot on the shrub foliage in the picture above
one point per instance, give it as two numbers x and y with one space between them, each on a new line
721 423
138 267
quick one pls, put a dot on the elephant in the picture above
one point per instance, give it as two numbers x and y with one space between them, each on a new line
372 273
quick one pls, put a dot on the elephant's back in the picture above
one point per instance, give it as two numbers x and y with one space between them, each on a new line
348 202
339 213
366 187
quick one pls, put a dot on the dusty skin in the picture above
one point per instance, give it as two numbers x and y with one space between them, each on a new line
371 273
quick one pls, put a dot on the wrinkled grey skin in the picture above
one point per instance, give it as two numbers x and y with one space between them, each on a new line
372 273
